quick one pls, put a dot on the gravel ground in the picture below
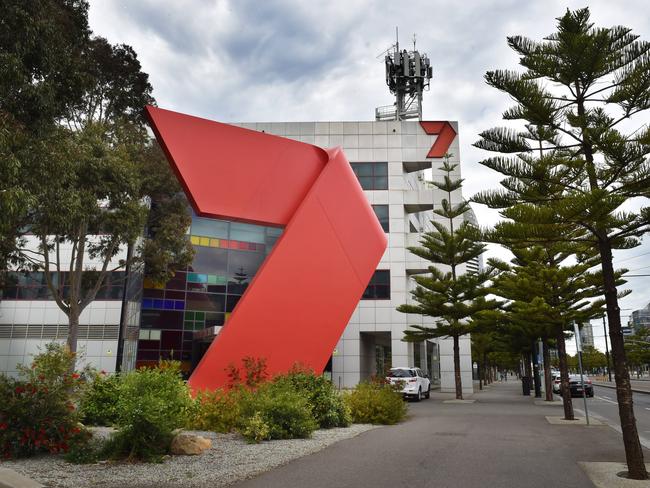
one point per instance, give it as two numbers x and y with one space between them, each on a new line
230 459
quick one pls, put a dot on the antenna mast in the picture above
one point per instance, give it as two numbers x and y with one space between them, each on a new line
407 76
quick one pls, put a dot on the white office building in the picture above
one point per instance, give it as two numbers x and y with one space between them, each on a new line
391 161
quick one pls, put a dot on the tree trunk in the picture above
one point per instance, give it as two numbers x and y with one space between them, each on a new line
536 379
564 377
548 381
459 384
479 371
527 372
633 452
485 369
73 330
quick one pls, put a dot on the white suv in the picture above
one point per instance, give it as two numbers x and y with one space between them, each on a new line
416 384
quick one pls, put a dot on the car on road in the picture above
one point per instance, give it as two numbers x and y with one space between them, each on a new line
576 386
415 384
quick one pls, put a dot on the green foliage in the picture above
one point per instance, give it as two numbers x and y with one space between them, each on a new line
291 406
152 403
571 174
455 300
79 160
285 411
219 410
255 430
37 412
375 402
98 403
328 408
83 449
637 348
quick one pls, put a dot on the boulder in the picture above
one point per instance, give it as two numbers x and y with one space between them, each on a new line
189 444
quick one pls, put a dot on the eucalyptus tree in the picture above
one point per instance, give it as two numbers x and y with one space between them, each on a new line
90 178
584 84
453 298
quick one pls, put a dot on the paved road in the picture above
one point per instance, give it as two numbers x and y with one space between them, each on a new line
604 405
501 441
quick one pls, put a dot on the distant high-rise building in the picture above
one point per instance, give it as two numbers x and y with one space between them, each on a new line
640 318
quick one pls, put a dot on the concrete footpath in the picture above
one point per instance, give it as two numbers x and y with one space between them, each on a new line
503 440
638 386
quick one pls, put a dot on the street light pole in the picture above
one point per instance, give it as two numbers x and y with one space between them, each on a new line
609 370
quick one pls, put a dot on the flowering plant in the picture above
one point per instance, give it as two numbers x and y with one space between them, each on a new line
37 413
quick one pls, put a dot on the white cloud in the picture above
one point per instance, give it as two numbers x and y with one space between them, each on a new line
280 60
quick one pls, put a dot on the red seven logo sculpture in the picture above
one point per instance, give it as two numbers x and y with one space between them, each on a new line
302 297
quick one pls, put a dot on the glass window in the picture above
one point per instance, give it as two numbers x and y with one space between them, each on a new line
379 286
205 302
372 176
381 211
208 260
247 233
209 227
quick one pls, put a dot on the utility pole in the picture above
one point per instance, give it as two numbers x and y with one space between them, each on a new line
582 375
609 370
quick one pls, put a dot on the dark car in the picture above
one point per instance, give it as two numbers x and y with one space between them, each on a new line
576 386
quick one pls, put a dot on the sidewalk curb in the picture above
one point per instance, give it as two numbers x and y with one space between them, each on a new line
635 390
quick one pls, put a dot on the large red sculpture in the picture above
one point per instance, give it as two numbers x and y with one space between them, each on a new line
301 299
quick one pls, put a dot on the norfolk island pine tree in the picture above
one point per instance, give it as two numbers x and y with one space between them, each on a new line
452 298
582 83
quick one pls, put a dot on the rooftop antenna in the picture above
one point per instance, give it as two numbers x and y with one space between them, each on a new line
408 74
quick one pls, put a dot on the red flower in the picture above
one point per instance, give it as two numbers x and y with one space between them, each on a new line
19 390
102 372
3 426
75 376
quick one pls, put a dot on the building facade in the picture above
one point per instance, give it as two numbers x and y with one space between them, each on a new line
640 319
30 318
393 161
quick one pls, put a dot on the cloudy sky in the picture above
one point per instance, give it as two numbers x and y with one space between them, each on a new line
291 60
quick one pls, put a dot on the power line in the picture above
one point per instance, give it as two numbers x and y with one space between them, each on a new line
632 257
642 267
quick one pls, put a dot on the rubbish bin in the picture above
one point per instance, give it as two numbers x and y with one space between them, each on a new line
525 385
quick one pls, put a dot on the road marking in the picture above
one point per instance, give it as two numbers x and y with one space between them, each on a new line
647 408
605 399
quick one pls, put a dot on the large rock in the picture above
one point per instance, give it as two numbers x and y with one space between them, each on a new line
189 444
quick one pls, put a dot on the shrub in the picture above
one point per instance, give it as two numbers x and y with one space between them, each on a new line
152 403
375 403
255 429
98 403
37 413
254 371
327 406
83 448
218 411
286 413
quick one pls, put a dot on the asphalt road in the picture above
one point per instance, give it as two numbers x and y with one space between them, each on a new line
604 406
501 441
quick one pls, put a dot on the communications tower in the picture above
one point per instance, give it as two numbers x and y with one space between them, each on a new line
407 76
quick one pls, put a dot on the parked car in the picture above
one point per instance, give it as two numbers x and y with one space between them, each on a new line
576 386
557 382
416 384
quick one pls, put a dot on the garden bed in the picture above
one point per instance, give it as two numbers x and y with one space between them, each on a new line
230 459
